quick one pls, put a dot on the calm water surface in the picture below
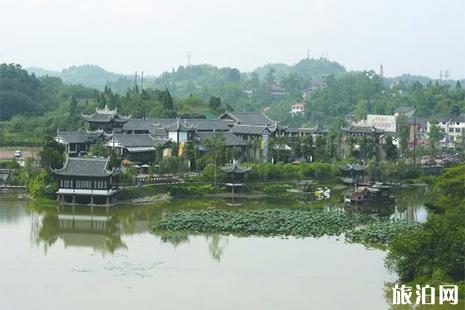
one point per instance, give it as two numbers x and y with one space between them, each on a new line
57 259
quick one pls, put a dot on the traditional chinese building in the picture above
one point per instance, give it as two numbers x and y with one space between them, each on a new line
140 148
246 118
78 142
302 132
235 177
180 131
88 181
5 177
364 131
106 120
353 174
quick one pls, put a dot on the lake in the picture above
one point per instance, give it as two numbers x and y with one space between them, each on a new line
60 259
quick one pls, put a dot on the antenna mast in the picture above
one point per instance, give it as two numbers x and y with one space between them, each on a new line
189 54
135 80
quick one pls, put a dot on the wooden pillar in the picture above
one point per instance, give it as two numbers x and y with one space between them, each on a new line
91 200
74 199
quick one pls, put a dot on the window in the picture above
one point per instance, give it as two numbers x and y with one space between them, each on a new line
66 183
451 129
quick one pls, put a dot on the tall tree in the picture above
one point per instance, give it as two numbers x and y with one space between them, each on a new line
52 154
167 101
214 103
435 135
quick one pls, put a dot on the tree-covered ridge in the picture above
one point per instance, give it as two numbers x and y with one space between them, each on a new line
32 108
367 93
307 67
39 106
87 75
327 89
24 94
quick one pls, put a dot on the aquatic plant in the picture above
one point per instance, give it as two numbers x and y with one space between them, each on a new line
381 232
302 223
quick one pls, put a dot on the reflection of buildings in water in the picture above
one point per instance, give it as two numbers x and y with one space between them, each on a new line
175 238
413 212
410 205
99 232
103 232
382 209
217 245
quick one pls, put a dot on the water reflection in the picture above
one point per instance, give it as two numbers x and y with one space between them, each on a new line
103 231
409 206
100 232
178 270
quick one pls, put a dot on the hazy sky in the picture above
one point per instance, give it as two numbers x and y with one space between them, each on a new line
406 36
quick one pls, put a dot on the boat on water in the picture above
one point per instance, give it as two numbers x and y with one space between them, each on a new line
377 193
309 188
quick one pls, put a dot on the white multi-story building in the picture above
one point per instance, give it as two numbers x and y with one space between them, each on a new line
298 109
385 122
453 129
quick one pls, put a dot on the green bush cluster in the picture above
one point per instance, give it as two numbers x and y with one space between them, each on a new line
381 232
277 190
182 190
281 171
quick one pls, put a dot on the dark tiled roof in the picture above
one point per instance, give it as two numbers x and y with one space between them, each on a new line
162 122
135 140
78 136
235 169
249 129
363 129
229 138
138 124
418 120
315 130
180 125
356 167
199 124
208 124
105 116
249 118
88 167
458 119
404 109
5 174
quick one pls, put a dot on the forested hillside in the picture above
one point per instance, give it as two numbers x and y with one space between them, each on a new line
32 107
86 75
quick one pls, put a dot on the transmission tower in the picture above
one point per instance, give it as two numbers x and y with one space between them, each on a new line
189 54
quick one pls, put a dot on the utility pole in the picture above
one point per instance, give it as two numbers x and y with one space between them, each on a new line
142 81
189 55
308 54
135 81
414 141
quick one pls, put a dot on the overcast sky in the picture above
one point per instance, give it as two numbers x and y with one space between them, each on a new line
406 36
